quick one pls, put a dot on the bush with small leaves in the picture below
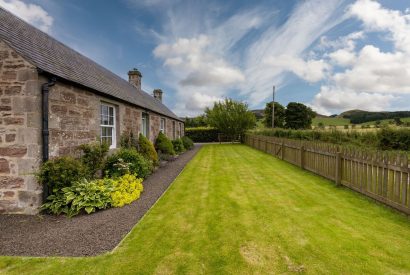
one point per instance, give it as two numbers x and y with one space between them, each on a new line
188 143
126 189
146 149
128 140
178 146
61 172
135 162
93 156
164 145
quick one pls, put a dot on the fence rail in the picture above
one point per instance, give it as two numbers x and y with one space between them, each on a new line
381 176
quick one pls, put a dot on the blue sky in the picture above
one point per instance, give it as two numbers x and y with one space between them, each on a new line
333 55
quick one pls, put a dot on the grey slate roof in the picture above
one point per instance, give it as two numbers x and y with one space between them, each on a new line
50 55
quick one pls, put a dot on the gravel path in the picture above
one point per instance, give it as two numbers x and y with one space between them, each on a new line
84 235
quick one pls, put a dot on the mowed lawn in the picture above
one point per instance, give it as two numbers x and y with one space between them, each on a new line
235 210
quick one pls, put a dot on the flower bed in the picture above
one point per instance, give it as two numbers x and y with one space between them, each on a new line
76 185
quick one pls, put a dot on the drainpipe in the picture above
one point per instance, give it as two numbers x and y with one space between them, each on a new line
45 88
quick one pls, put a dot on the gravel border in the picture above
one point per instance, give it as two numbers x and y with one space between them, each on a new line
85 235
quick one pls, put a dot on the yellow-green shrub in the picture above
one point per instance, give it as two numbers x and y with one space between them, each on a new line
126 190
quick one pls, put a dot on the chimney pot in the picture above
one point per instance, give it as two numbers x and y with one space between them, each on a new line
134 77
157 93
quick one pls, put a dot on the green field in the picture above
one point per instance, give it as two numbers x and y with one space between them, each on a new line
327 121
235 210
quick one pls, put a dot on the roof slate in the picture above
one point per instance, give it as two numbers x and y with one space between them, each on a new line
52 56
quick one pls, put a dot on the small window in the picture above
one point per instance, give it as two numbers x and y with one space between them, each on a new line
162 125
108 134
145 124
173 130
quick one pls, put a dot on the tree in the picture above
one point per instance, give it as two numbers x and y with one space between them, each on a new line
398 121
298 116
279 115
231 117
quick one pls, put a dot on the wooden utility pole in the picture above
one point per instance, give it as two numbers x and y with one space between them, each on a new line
273 107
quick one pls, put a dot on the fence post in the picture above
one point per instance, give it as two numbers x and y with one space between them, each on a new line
266 144
302 153
338 174
281 149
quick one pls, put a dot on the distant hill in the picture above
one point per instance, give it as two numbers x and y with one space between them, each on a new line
360 116
259 113
347 114
320 115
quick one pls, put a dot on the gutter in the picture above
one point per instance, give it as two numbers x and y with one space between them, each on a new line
45 88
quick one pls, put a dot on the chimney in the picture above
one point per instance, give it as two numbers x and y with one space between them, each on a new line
134 77
157 93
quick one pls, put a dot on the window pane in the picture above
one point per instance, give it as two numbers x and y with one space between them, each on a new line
111 120
111 111
107 140
104 120
104 110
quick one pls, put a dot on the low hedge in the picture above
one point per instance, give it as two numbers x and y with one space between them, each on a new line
384 139
202 134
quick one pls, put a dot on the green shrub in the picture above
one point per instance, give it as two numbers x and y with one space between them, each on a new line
164 145
188 143
126 189
385 139
178 146
82 195
128 140
202 134
392 139
128 161
146 149
61 172
93 156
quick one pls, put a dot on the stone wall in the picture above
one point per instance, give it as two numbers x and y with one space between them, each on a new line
168 128
20 133
155 124
74 119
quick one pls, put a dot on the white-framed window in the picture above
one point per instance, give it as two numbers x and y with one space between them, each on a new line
173 130
108 133
145 124
162 125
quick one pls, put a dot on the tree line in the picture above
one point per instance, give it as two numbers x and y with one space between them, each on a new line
233 118
363 116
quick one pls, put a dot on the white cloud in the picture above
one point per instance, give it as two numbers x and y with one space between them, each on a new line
31 13
280 50
343 57
378 72
377 18
206 61
331 98
309 70
372 79
195 65
195 58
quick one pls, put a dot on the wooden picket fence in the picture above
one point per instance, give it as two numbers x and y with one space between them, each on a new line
382 176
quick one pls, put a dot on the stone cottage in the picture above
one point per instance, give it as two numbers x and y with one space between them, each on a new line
53 99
